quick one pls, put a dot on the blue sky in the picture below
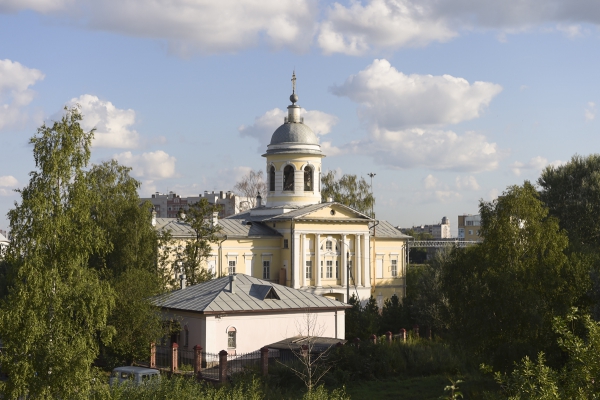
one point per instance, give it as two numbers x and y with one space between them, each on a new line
447 102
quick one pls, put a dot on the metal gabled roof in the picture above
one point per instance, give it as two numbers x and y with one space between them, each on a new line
229 227
386 230
215 297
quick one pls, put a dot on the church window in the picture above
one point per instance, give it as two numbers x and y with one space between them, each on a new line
321 269
266 269
328 245
231 267
308 179
309 270
329 269
272 178
231 338
337 270
394 268
285 243
288 178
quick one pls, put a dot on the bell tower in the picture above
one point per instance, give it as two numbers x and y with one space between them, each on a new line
293 161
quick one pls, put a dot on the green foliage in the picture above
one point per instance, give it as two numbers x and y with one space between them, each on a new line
453 389
572 194
196 250
362 321
503 294
426 303
54 315
349 190
137 322
392 315
122 223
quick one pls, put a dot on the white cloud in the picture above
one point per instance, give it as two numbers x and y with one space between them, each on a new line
149 166
430 182
395 101
358 28
590 111
113 125
467 183
493 194
570 31
536 164
188 26
263 127
435 149
15 80
7 184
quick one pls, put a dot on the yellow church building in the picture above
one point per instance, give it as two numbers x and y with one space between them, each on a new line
295 239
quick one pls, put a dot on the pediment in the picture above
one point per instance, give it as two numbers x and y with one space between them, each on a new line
335 212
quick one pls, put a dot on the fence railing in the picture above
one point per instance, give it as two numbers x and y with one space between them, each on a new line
213 366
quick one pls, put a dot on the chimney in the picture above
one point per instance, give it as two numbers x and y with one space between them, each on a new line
258 200
215 218
153 217
232 283
182 280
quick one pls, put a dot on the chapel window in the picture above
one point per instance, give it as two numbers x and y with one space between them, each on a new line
272 178
288 178
308 179
328 245
231 338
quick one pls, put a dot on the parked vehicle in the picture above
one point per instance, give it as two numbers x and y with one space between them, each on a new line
135 375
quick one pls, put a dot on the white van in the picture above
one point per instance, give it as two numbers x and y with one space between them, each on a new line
135 375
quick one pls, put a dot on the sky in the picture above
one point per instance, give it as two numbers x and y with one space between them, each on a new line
447 102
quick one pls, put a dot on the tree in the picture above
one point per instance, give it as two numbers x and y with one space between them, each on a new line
136 320
572 194
503 293
54 315
196 251
124 223
349 190
418 255
251 185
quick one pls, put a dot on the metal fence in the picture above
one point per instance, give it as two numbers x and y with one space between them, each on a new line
163 357
242 362
185 360
210 366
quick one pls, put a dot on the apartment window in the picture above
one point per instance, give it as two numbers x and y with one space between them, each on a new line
309 270
266 269
329 269
337 270
231 267
285 243
328 245
394 268
470 231
231 338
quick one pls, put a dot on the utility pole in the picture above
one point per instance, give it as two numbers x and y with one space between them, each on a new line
371 175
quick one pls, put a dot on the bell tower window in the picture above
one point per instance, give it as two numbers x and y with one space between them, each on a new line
308 179
272 178
288 178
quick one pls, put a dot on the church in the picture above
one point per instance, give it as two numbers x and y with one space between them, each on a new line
297 240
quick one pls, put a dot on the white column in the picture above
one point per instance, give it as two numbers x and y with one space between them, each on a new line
303 259
343 268
367 258
317 268
358 258
296 258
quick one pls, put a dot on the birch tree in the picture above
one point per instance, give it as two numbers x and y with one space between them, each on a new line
53 317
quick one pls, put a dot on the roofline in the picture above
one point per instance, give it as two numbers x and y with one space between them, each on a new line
279 217
270 310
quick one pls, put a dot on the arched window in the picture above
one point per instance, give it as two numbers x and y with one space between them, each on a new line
272 178
231 338
308 179
288 178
